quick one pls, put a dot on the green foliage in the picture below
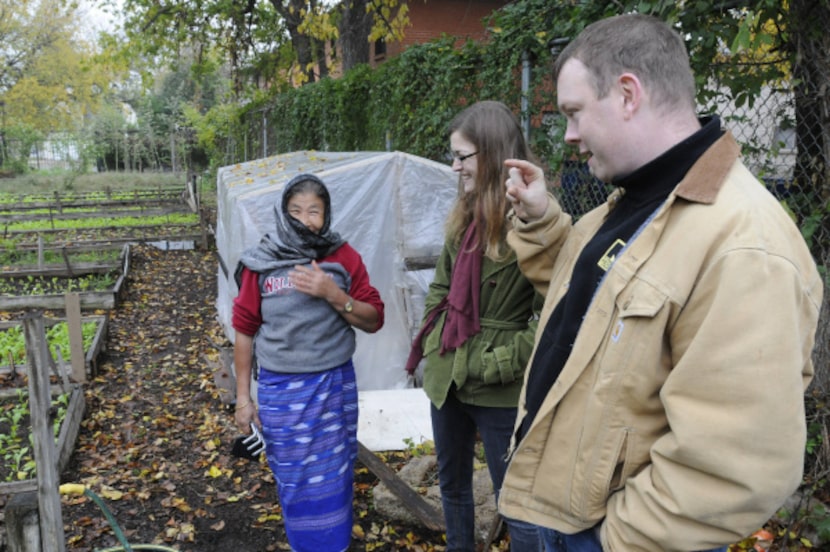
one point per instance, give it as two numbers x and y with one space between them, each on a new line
21 138
42 285
406 103
13 343
42 186
814 437
424 448
106 222
16 442
9 255
819 518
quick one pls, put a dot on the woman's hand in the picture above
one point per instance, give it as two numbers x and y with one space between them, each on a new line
245 413
315 282
312 280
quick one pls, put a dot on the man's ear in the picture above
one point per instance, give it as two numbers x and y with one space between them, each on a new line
631 90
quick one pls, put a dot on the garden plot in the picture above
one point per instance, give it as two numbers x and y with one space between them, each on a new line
53 245
48 340
14 366
42 287
41 225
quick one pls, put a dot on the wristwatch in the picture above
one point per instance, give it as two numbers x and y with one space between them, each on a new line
349 306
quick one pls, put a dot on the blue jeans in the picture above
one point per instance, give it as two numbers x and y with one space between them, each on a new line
454 429
584 541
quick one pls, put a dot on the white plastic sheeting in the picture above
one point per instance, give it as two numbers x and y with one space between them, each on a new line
390 206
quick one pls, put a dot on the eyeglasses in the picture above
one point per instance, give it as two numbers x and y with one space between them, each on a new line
460 158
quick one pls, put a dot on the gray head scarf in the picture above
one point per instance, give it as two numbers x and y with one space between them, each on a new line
293 243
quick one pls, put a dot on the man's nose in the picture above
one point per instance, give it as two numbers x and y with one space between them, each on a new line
571 135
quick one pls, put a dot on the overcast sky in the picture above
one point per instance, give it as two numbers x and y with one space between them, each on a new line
95 19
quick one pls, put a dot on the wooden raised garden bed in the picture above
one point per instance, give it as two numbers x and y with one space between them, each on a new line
29 411
42 223
91 353
65 445
105 300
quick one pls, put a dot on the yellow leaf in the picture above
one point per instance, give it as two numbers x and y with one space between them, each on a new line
111 494
357 532
181 504
214 471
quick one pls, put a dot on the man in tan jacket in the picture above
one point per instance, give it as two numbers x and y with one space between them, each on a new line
663 406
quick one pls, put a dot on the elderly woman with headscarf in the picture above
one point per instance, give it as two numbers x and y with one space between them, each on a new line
301 292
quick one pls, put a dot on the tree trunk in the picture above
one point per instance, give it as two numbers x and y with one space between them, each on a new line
355 26
320 55
291 13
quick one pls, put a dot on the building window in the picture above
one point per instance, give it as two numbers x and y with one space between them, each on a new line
380 48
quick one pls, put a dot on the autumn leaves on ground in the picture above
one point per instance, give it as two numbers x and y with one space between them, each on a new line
155 439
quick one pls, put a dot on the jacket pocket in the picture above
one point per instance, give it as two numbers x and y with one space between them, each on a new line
497 366
632 355
606 473
622 469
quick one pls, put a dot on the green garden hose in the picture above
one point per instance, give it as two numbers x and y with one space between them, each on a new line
76 489
140 547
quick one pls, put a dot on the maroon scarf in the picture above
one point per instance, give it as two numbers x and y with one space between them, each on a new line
461 303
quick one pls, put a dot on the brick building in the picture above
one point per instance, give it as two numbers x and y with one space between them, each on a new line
430 19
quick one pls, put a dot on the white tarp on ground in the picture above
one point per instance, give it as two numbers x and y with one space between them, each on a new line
390 206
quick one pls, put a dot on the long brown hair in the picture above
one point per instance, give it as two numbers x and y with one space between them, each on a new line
497 135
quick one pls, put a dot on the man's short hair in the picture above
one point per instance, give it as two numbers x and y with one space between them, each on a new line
640 44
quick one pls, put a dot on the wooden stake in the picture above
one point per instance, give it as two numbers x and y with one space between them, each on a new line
52 537
414 502
76 337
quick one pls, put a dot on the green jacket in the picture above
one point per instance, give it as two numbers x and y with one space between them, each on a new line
488 369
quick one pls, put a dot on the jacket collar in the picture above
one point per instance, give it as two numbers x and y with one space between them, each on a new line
703 181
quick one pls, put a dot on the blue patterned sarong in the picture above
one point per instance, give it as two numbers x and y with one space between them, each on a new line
309 422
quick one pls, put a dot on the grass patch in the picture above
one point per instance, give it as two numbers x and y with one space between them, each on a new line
43 182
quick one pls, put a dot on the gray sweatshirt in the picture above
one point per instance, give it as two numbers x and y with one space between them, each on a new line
301 333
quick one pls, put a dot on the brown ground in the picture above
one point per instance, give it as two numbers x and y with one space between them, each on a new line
155 439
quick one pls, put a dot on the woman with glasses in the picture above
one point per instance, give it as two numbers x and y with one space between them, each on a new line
479 323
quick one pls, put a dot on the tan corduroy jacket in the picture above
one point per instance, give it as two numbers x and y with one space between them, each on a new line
678 420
